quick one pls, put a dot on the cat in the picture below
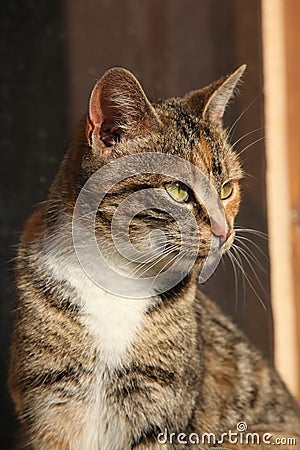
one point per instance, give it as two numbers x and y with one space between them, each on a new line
91 369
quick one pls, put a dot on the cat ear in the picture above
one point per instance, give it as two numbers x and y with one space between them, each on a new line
211 101
118 108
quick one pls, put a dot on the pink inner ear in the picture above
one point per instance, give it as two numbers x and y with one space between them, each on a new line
89 130
95 116
216 107
218 114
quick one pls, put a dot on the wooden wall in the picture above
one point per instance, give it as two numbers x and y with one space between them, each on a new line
281 19
292 52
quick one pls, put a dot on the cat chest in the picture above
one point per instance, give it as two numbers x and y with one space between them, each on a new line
105 426
113 321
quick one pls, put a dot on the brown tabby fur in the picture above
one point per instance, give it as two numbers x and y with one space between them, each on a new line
187 367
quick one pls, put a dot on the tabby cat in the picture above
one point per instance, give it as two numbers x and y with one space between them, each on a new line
91 369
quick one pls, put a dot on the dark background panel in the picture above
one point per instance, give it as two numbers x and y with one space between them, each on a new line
52 53
250 306
34 134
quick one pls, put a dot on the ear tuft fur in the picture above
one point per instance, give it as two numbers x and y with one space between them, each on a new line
216 105
211 101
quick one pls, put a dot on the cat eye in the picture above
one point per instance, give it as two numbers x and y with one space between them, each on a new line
226 190
177 191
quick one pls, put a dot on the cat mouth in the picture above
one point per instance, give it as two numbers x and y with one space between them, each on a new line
228 243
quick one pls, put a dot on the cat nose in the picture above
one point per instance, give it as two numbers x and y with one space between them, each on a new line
223 236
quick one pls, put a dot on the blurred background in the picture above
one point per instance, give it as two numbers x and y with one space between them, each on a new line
51 55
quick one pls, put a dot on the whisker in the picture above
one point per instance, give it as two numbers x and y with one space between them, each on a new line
233 126
252 231
130 247
243 252
148 260
245 135
251 255
236 249
155 262
169 262
250 145
236 290
237 259
240 239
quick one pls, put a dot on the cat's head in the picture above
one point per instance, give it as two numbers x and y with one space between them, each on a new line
122 122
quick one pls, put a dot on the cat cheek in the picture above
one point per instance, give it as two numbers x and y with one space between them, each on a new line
231 211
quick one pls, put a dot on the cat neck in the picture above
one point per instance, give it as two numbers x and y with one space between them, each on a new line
114 322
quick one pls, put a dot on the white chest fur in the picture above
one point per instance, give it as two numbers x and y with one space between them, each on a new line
112 320
105 425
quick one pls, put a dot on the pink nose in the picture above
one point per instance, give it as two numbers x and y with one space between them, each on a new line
223 236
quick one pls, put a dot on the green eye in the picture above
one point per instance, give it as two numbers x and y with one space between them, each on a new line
177 191
226 190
